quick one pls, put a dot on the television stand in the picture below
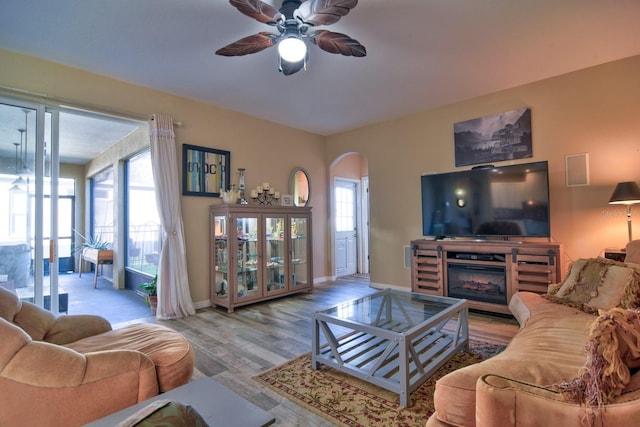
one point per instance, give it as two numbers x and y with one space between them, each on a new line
487 273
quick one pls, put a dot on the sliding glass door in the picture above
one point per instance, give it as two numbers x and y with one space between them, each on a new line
29 171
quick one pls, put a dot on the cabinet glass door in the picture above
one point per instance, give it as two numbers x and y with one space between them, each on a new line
220 258
275 251
299 243
247 258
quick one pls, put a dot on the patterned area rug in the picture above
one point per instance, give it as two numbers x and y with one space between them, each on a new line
348 401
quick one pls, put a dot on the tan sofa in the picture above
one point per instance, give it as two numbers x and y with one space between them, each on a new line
69 370
512 388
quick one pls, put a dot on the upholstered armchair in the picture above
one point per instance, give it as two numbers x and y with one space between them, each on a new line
70 370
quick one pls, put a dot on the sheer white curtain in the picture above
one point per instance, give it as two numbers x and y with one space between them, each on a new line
174 298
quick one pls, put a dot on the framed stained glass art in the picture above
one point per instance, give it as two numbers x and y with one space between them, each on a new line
205 171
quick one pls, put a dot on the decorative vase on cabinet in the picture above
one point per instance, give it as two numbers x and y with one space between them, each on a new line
258 253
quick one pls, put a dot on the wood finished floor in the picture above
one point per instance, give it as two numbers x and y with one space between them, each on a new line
232 348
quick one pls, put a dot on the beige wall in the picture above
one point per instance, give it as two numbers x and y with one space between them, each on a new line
268 151
593 110
596 110
352 166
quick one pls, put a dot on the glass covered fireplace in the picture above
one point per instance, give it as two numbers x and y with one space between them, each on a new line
477 282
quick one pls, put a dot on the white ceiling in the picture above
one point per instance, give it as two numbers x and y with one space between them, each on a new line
420 53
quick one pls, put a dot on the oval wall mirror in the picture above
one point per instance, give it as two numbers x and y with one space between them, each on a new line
300 187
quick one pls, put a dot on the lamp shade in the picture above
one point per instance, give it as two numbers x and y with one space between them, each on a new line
625 193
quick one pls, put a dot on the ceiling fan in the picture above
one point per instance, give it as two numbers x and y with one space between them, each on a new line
294 22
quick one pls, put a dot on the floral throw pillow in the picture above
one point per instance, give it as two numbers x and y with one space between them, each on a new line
613 349
598 284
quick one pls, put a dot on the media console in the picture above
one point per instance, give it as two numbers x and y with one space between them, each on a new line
486 273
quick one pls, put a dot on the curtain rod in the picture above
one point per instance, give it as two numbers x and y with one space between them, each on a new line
62 102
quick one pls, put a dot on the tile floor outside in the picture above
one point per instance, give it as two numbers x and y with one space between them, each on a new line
115 305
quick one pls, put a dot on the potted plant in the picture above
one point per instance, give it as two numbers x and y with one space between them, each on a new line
151 293
93 250
91 243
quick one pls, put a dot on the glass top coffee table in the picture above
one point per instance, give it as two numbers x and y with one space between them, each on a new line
395 340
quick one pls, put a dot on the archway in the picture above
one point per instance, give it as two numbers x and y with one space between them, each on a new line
349 214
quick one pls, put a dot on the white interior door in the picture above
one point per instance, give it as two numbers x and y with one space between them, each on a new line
346 226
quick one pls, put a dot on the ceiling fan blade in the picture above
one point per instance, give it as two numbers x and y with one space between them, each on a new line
324 12
338 43
288 68
249 44
258 10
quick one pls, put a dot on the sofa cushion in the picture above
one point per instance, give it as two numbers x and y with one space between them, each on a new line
171 353
598 284
33 320
42 325
532 357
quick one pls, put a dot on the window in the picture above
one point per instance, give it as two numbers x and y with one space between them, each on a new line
17 213
66 214
144 232
102 206
345 209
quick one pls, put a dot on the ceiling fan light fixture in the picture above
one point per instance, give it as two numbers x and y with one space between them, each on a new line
295 21
292 49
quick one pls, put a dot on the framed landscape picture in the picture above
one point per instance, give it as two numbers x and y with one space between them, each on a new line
503 136
205 171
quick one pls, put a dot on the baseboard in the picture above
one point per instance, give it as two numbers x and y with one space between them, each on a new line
316 281
207 303
381 286
202 304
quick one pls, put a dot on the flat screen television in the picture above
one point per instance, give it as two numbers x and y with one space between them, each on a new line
487 202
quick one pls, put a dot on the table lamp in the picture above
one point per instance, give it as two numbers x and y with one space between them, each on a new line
626 193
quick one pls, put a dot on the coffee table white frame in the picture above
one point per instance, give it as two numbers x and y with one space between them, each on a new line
398 347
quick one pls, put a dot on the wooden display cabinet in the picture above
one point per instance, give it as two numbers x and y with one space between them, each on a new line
505 268
259 253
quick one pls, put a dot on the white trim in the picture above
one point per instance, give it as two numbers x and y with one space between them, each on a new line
363 235
385 286
318 280
202 304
